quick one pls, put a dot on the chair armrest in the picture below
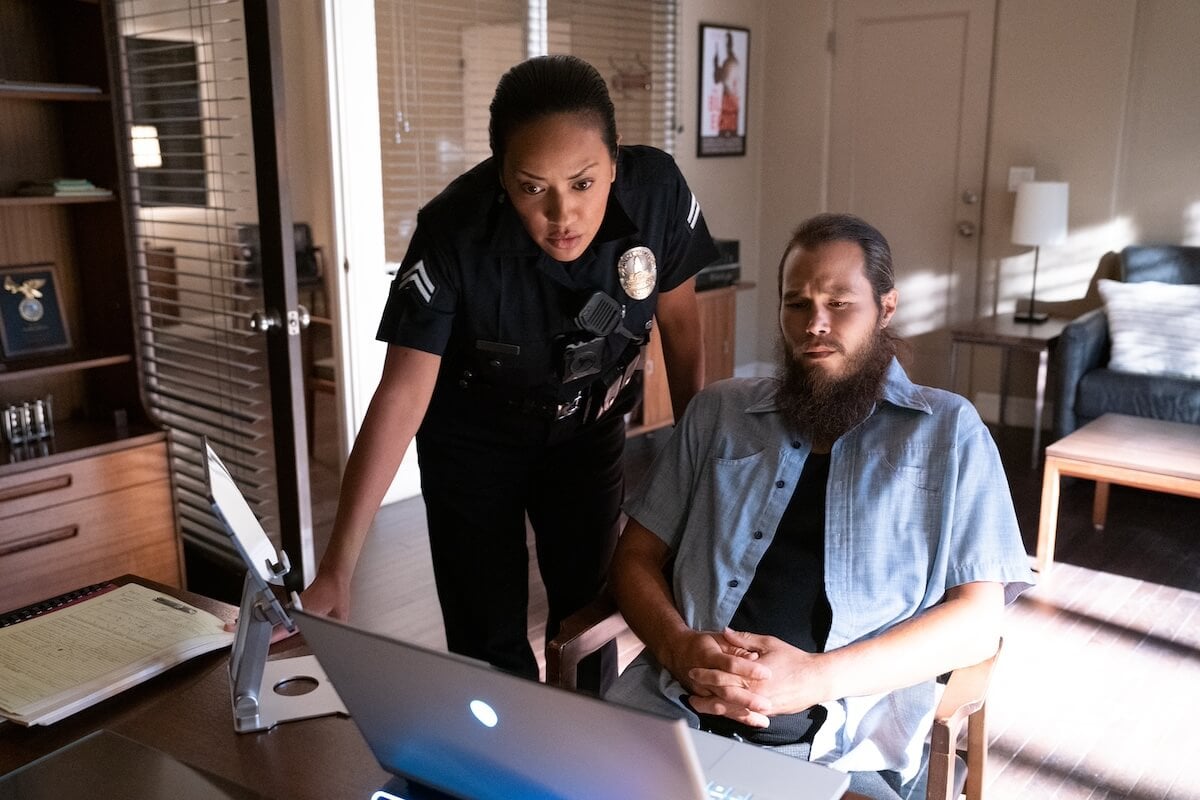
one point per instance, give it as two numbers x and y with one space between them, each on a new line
580 635
963 701
1082 346
965 693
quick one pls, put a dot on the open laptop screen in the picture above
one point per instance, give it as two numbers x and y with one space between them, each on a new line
476 732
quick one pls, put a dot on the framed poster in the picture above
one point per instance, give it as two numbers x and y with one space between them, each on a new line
31 312
724 56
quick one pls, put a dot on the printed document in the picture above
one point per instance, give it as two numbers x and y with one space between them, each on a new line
59 663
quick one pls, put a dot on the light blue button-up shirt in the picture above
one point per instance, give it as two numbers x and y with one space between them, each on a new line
916 503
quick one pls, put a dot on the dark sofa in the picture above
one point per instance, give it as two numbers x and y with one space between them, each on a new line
1086 388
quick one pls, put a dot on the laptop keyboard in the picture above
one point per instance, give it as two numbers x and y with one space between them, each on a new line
718 791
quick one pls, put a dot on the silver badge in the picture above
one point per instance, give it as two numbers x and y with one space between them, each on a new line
638 272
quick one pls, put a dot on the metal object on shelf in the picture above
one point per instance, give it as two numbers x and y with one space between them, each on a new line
29 422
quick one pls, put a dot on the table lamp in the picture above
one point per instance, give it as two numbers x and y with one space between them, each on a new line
1039 218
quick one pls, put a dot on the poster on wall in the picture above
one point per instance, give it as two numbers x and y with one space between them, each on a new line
724 56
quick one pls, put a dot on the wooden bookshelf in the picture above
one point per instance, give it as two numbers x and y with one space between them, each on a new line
64 499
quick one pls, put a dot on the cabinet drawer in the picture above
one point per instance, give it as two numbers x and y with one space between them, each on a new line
67 546
38 489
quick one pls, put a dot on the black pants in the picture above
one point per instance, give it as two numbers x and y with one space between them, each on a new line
477 494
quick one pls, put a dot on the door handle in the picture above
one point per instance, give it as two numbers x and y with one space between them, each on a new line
263 321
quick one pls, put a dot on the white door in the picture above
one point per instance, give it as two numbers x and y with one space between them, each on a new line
909 125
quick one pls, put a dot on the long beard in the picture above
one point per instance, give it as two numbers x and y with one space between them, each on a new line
823 409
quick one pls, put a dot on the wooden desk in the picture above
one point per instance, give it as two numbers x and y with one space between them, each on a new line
1004 332
186 714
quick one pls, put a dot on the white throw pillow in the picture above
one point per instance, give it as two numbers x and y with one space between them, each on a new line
1155 327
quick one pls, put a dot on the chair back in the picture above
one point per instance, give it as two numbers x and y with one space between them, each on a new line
1164 263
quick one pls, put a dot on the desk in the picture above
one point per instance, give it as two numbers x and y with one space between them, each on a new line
1007 334
185 713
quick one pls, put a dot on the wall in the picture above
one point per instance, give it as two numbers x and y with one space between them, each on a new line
728 186
1158 186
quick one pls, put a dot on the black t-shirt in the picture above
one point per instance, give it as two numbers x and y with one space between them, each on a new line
786 599
477 290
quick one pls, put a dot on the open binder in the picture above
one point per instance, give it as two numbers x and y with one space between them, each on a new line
70 652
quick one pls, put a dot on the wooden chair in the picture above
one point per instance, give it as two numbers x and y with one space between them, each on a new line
954 770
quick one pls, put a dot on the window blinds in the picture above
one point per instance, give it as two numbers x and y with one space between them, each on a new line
439 61
182 70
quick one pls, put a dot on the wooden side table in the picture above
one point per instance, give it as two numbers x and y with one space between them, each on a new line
1007 334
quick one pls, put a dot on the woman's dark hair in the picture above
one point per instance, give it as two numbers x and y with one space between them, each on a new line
548 85
824 228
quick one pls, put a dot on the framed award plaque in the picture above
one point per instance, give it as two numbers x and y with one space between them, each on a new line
31 312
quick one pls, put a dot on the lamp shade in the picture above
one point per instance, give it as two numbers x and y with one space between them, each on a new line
1040 216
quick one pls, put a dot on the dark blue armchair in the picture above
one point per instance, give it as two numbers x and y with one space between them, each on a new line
1086 388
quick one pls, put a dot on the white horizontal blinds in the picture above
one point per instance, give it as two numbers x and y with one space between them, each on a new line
438 65
632 44
192 208
439 61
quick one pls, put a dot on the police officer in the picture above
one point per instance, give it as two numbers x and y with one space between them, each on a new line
514 326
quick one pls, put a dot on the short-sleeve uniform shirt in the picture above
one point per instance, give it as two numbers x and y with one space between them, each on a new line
476 289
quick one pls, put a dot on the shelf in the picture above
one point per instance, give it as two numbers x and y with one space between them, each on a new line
74 439
58 365
60 92
55 200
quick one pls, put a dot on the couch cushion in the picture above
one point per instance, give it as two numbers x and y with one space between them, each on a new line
1155 327
1102 391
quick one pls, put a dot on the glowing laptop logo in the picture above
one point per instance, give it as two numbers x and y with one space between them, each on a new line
484 713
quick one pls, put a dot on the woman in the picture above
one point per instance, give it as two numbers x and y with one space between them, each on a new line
514 327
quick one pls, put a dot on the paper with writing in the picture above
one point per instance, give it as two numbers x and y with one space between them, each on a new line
58 663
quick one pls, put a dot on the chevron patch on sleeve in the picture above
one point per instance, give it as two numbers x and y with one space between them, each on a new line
419 279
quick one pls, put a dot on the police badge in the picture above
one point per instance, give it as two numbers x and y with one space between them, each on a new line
638 271
31 316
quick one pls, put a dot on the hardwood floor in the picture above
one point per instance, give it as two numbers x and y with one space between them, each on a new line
1096 694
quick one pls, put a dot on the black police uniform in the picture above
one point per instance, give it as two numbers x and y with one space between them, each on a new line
527 415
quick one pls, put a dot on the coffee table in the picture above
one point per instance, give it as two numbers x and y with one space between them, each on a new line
1131 451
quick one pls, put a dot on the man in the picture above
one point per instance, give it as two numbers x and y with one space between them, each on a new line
838 536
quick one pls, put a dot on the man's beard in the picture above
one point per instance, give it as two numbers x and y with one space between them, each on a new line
823 408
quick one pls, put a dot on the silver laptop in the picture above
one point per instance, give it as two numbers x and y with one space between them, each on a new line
469 730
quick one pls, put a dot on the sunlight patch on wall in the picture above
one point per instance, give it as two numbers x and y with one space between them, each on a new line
923 304
1191 224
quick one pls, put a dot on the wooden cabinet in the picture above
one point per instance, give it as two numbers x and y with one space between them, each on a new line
94 514
57 122
718 313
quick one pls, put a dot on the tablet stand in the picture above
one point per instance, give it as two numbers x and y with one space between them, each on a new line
266 693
